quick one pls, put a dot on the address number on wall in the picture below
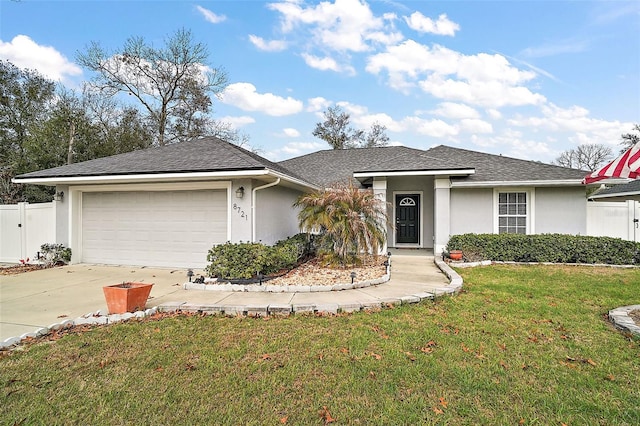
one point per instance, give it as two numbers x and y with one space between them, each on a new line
241 212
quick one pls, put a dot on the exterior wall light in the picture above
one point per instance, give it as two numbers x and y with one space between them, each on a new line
240 192
58 196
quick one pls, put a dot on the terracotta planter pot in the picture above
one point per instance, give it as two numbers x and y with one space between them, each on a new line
455 255
126 297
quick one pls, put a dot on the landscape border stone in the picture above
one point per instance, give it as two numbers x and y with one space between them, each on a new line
622 321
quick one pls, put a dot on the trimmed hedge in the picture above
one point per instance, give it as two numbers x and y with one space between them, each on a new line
555 248
247 260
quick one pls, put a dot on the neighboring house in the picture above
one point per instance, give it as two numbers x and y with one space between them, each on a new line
167 206
624 192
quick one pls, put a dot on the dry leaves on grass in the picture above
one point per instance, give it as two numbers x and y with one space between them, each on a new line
325 415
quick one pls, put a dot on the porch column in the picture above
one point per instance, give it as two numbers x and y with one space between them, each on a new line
380 192
441 214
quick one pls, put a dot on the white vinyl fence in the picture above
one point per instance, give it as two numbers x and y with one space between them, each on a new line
24 228
614 219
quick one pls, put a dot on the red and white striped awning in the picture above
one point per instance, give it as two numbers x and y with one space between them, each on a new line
626 166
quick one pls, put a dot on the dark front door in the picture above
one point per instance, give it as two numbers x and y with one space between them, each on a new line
408 219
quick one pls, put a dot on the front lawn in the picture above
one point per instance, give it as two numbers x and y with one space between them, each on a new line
520 345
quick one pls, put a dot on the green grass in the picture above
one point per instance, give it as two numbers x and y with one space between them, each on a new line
520 343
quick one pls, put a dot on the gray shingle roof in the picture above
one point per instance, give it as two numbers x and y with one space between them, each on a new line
631 187
199 155
496 168
320 168
326 167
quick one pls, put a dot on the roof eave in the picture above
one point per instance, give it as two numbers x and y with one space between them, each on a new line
491 184
447 172
159 177
616 196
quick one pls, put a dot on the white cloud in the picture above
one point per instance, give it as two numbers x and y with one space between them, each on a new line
23 52
434 127
318 104
481 79
268 46
494 113
210 16
443 26
575 120
237 121
344 25
291 132
474 125
493 94
245 97
455 110
326 64
294 149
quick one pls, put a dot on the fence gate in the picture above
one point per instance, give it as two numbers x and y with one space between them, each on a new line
24 228
614 219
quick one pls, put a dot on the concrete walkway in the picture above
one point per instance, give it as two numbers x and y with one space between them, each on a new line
38 299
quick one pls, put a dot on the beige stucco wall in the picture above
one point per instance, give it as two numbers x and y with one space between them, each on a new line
276 218
561 210
471 211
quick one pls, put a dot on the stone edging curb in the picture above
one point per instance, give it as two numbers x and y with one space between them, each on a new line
92 318
455 285
622 321
270 288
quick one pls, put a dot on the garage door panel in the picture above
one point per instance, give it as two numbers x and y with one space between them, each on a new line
175 228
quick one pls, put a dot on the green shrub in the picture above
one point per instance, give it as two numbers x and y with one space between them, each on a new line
556 248
247 260
54 254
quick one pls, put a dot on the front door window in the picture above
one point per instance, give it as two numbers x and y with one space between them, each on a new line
408 219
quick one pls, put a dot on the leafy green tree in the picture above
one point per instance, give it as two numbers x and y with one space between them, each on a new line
352 220
41 127
25 100
336 130
173 83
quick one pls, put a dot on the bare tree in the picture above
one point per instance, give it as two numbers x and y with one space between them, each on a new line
377 136
172 83
630 139
585 157
337 131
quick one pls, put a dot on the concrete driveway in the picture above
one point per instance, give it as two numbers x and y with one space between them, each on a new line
40 298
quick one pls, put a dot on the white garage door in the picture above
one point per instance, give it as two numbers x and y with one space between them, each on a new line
172 228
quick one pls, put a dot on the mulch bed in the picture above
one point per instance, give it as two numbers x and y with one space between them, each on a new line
20 269
313 272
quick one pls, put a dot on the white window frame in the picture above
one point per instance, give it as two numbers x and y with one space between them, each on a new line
531 202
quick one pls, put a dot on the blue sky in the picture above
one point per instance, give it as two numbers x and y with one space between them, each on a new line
527 79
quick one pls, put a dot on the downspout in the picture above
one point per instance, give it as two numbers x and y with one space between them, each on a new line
253 206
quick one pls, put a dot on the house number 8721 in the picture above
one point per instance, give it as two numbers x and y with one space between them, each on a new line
240 211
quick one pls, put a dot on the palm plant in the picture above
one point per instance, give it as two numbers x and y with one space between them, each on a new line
352 220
